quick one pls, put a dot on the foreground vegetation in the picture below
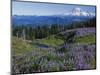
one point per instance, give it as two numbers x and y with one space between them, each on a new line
48 51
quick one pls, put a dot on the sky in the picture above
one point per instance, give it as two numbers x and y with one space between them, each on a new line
31 8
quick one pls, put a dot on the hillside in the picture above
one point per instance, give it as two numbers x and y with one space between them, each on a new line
68 50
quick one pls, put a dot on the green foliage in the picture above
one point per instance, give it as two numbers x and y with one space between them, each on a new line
82 24
67 37
62 49
62 52
20 46
93 63
51 41
29 32
86 39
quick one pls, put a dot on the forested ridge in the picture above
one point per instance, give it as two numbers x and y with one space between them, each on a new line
39 32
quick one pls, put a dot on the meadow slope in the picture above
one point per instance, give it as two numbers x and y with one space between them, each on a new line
68 50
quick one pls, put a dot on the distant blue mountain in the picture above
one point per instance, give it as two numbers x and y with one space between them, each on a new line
47 20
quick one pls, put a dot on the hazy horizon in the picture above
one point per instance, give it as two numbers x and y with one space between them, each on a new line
41 9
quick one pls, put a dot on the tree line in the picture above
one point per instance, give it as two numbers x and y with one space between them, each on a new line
28 32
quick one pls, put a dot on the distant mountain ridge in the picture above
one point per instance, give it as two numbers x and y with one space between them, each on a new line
75 15
47 20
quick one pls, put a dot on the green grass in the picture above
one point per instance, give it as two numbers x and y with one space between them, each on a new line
51 41
86 39
93 63
20 46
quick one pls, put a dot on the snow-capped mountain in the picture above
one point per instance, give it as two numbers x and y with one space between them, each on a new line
80 12
76 15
